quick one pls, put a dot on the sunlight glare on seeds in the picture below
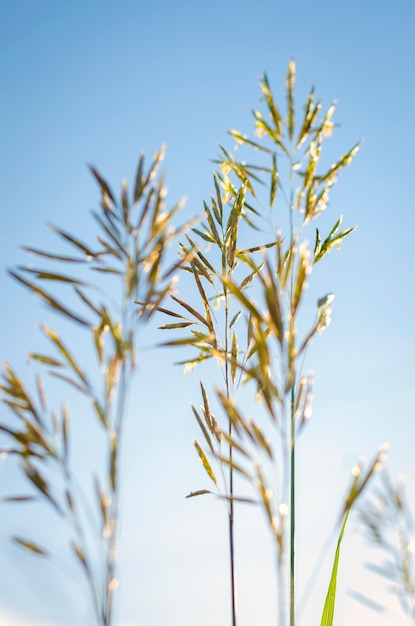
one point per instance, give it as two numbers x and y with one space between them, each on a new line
189 367
411 545
356 471
383 453
219 300
283 509
220 360
324 311
173 283
308 410
106 533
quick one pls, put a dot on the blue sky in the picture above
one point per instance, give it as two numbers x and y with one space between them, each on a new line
98 82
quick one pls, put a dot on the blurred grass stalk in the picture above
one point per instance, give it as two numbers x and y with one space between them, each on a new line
129 260
386 522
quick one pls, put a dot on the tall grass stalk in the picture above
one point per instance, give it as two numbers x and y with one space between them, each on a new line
286 152
134 233
210 270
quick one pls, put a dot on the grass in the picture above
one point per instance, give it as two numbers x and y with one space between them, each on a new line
249 262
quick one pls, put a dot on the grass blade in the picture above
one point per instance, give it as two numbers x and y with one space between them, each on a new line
328 611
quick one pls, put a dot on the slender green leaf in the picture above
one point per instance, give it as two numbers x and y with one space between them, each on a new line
328 611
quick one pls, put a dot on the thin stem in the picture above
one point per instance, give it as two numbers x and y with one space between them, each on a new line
231 504
232 562
281 588
292 511
282 562
79 531
115 497
292 438
116 432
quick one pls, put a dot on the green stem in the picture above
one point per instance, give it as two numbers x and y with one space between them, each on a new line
292 512
292 435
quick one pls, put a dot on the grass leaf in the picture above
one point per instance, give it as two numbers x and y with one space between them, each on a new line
328 611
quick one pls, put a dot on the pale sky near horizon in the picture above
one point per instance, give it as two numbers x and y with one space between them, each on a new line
97 81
